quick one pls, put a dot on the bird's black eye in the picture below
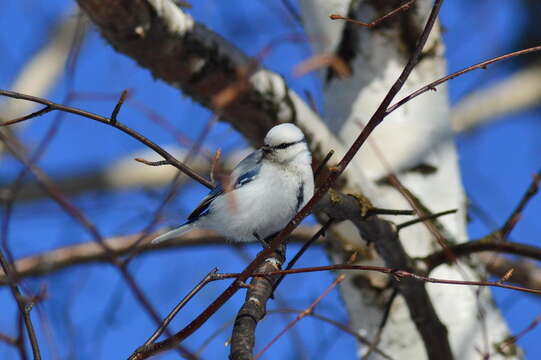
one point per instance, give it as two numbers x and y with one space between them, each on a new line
286 145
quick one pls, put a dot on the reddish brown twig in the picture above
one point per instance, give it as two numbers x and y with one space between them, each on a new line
517 212
396 273
180 305
376 22
481 65
321 232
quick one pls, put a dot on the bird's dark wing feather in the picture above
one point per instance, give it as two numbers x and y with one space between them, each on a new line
205 203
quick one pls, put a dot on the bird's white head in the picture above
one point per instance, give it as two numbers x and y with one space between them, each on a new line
284 143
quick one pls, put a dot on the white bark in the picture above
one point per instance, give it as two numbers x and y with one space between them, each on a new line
418 133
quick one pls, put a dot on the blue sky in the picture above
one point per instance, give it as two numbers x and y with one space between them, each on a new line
90 314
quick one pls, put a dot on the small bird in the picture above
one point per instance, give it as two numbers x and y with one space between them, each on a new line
268 188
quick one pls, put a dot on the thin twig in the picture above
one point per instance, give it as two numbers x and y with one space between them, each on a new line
323 163
321 232
424 218
513 339
8 339
53 191
145 302
481 65
379 211
40 112
396 273
118 105
180 305
152 163
376 22
22 304
373 345
423 213
515 215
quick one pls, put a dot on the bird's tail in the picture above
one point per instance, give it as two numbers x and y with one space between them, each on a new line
174 233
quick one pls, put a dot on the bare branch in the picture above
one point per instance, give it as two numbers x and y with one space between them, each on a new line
152 163
481 65
398 274
517 212
22 304
376 22
125 129
518 91
180 305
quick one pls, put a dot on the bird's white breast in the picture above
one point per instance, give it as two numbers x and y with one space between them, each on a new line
264 205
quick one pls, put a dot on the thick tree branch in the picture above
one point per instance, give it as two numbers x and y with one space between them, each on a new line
254 308
186 54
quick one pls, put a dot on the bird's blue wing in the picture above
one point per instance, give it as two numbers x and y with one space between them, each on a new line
245 172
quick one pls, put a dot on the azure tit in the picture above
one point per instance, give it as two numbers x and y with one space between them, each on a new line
267 188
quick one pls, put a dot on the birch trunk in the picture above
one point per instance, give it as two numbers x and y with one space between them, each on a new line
418 136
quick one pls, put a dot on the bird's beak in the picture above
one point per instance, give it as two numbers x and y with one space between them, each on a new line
266 149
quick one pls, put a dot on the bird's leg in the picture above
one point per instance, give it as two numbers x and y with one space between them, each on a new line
281 250
261 241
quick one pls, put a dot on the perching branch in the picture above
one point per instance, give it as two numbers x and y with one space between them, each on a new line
254 307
